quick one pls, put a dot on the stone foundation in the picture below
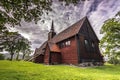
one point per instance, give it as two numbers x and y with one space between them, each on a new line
87 64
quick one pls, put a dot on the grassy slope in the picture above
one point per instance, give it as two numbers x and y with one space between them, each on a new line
29 71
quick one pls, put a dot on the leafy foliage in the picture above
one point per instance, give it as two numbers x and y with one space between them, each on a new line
15 43
111 40
12 11
22 46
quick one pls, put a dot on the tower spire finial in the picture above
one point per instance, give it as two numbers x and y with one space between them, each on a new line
52 33
52 26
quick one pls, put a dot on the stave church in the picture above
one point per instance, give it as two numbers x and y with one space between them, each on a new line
78 44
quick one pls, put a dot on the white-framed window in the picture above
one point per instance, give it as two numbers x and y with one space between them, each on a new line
68 42
65 44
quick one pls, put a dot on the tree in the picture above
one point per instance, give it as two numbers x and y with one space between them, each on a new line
23 45
26 52
14 43
110 42
10 42
3 30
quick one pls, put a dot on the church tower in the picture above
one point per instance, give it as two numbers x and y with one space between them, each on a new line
52 33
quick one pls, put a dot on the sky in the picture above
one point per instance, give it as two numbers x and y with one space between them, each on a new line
63 16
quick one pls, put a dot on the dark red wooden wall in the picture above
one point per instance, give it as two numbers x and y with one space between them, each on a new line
55 58
46 55
69 53
39 59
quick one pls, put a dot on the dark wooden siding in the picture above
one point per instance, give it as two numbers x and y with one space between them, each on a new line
55 58
87 33
39 59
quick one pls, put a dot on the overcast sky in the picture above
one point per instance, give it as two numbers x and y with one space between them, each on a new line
63 16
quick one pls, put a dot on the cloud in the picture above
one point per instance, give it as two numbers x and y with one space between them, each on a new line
63 16
105 10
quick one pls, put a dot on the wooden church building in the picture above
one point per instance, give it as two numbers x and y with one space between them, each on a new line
76 44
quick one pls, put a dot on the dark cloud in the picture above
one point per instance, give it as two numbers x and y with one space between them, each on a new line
63 16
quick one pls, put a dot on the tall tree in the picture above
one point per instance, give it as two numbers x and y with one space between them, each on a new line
26 52
23 45
10 42
110 42
3 30
14 43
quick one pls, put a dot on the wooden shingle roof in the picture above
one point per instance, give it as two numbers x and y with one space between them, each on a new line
69 32
40 49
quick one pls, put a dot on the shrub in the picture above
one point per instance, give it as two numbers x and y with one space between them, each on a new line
2 57
114 61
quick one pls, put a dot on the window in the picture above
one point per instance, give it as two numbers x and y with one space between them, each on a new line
67 43
61 45
87 45
64 44
93 44
86 42
92 47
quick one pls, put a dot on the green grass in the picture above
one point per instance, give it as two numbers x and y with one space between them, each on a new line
20 70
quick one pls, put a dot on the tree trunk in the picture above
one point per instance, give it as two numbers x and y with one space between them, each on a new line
17 57
23 56
11 58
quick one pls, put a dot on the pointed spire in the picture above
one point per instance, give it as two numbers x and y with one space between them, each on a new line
52 33
52 26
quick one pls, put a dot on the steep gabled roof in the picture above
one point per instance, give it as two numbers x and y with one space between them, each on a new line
40 49
69 32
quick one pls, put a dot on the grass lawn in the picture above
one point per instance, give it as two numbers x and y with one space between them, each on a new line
20 70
